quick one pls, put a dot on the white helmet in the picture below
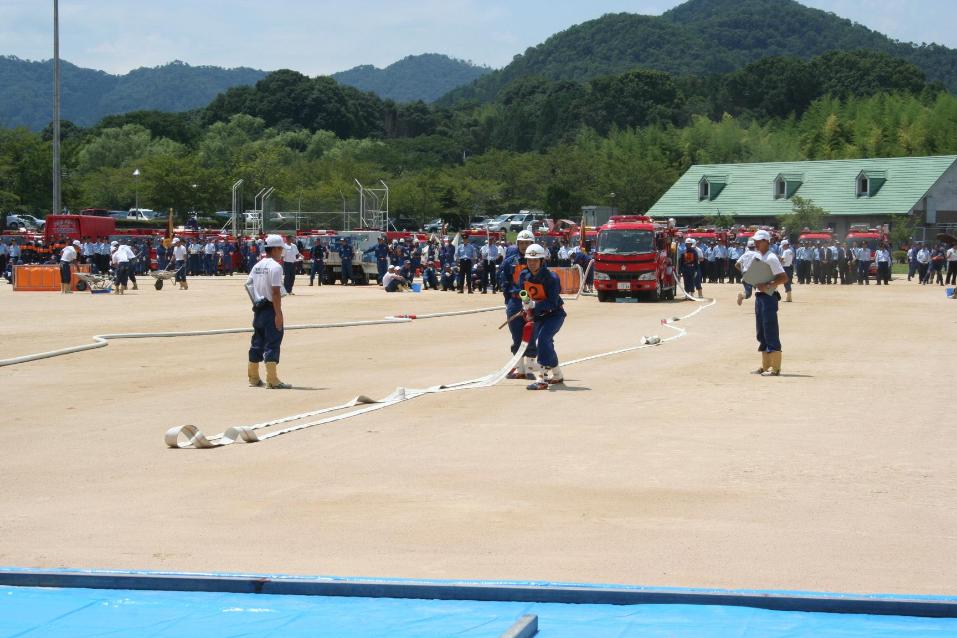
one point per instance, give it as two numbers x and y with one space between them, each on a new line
274 241
535 251
526 235
762 235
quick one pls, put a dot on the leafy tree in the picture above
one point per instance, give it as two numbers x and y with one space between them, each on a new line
804 214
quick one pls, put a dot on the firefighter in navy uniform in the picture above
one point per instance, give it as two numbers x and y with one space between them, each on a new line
265 288
544 308
346 254
318 270
381 258
508 281
689 266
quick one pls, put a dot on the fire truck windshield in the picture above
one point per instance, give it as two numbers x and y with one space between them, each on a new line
626 242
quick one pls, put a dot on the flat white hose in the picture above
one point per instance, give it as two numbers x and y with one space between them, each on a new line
189 436
101 341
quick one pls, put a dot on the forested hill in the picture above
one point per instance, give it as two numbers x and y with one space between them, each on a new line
90 95
702 37
424 77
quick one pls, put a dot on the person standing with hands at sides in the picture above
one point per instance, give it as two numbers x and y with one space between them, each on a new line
265 288
787 261
319 254
544 308
689 266
346 254
766 306
381 259
290 254
67 259
509 274
465 256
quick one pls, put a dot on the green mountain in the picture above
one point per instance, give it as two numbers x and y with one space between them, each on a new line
702 37
424 77
89 95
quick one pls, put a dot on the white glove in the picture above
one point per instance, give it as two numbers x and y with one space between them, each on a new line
528 305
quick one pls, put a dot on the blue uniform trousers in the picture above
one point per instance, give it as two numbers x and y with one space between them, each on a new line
789 271
545 330
346 270
864 273
382 266
515 326
266 339
318 269
766 320
688 274
288 275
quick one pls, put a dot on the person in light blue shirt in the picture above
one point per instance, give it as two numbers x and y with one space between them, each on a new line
465 256
734 275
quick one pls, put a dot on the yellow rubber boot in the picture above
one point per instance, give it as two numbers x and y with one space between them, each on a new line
252 371
774 369
272 378
765 363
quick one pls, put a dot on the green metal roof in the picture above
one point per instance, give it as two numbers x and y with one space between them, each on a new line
832 184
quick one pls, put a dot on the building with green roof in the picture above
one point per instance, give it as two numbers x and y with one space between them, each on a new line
860 191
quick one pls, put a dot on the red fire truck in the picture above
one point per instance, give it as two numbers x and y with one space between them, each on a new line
633 257
77 227
861 235
816 237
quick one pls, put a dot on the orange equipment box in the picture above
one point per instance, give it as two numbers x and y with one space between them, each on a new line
43 277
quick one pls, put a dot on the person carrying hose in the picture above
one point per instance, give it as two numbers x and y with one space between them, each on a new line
544 307
265 288
508 282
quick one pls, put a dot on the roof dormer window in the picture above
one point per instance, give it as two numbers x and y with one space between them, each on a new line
710 186
869 183
786 184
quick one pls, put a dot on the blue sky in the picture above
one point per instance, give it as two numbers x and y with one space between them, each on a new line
321 36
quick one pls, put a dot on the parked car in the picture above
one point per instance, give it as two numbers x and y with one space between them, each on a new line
499 223
119 214
479 222
433 226
144 214
95 212
521 220
16 221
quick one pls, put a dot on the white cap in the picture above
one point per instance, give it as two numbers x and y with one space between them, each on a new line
76 242
175 240
689 241
785 242
750 241
762 235
535 252
274 241
114 243
526 235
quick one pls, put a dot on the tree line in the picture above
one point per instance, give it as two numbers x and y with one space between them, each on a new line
546 144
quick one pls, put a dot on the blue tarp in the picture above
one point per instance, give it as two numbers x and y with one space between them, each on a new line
84 613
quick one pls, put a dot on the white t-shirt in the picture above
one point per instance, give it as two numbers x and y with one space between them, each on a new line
265 275
122 255
787 257
68 255
387 279
744 261
179 252
771 260
290 253
951 254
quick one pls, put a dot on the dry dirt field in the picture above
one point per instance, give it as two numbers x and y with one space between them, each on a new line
669 466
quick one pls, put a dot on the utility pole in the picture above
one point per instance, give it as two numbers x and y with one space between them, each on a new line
57 207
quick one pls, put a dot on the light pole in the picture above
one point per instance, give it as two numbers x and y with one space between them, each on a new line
57 192
136 187
194 187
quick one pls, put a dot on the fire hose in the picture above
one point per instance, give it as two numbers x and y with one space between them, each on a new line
189 436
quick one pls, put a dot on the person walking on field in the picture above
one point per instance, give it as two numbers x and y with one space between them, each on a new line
787 261
265 288
766 307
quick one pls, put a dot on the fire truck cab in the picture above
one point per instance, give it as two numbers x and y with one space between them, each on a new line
633 256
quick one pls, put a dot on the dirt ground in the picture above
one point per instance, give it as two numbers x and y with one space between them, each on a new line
669 466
